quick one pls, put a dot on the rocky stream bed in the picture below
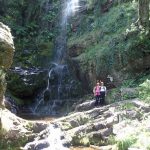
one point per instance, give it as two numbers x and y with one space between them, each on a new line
87 126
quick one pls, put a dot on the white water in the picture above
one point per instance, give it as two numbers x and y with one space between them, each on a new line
69 8
52 142
72 7
54 139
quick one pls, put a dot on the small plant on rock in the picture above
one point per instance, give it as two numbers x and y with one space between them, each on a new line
80 139
126 142
144 91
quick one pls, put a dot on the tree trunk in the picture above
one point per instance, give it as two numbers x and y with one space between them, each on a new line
144 14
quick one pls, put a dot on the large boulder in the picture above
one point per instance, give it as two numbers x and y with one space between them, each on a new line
6 56
16 128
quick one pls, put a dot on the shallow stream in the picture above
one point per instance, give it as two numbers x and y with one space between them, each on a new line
50 119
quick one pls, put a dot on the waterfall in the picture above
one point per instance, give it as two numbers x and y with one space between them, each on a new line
69 7
60 84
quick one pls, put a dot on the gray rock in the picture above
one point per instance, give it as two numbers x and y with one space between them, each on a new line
85 106
25 82
38 127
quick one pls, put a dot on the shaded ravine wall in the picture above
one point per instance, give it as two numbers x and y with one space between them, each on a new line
6 56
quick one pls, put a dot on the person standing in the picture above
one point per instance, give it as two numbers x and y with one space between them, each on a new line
102 93
96 91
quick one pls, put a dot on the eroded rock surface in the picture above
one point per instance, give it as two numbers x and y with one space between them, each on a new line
23 82
6 56
86 127
96 125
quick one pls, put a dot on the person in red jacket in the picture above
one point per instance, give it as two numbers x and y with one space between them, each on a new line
96 91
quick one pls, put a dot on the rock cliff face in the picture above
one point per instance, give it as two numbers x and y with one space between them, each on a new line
6 56
99 48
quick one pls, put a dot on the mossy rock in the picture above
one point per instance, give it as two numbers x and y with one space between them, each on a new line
2 84
39 55
26 82
46 48
80 140
44 54
6 56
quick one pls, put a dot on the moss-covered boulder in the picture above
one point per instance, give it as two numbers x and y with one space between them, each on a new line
25 82
6 56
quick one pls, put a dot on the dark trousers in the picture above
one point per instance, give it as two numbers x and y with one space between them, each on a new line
97 102
102 97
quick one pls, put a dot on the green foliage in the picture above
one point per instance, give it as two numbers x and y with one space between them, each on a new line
104 41
128 106
32 22
97 141
85 141
90 4
124 144
2 83
113 95
51 16
80 139
111 140
83 120
144 91
10 144
66 126
140 140
29 56
128 83
29 126
136 81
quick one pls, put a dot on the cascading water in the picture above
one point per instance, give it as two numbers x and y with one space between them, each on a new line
59 86
60 83
69 7
54 140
